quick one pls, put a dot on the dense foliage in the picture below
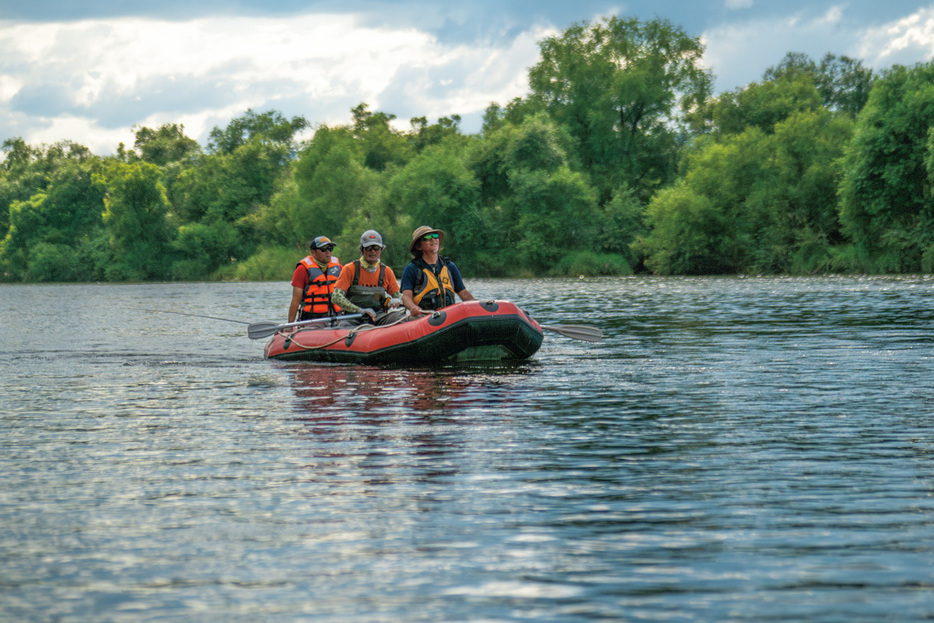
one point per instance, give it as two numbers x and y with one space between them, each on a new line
619 159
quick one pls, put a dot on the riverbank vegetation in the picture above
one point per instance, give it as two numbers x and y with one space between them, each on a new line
620 159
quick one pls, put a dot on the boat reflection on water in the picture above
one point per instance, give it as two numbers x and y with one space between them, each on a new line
431 393
370 392
402 424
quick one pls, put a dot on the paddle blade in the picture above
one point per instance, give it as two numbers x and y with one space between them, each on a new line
576 331
259 330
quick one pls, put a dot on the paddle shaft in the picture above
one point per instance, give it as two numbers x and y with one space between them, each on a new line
259 330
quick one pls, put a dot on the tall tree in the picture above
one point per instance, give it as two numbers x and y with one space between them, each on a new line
843 82
621 86
753 201
764 105
51 207
332 183
267 127
436 188
165 144
382 145
135 216
886 195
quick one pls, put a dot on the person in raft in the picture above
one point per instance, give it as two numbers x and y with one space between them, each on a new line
313 282
367 285
430 281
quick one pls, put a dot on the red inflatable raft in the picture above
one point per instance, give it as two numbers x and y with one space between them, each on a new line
467 331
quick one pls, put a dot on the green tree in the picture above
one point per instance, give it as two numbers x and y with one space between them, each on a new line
764 105
63 212
381 145
224 192
165 145
753 201
202 248
332 182
27 224
621 224
801 203
267 127
424 135
621 87
885 194
540 208
135 215
689 235
843 83
436 188
26 170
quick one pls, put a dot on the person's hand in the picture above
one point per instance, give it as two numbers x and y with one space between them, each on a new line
394 303
369 312
415 310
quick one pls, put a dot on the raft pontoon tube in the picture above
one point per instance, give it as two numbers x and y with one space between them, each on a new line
466 331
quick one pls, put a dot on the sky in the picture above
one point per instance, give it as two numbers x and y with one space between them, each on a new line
90 71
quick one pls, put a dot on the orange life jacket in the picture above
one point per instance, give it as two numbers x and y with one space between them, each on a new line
316 298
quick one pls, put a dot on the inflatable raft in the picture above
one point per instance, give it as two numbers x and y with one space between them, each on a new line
467 331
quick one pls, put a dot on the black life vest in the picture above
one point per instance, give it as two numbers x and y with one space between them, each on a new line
371 297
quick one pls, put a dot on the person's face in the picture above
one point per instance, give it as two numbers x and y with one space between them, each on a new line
371 253
322 255
430 243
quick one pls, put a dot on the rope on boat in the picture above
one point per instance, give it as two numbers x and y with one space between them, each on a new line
351 333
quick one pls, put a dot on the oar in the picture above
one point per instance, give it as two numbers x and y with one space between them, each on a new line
259 330
576 331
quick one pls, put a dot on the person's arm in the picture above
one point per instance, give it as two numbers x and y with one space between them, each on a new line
393 296
296 302
408 301
408 289
458 282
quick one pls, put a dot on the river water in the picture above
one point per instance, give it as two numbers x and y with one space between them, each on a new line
740 449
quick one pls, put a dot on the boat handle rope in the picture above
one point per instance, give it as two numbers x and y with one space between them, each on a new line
351 333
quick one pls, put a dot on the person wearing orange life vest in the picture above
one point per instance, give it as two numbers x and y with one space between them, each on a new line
367 285
430 281
313 282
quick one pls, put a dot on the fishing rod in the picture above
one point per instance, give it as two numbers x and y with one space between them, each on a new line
258 330
166 311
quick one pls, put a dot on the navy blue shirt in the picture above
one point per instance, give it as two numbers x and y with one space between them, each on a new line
411 273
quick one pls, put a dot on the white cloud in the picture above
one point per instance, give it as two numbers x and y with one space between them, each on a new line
834 15
90 81
903 41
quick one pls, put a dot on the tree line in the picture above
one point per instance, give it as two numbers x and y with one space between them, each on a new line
620 159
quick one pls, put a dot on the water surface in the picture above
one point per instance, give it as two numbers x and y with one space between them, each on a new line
735 449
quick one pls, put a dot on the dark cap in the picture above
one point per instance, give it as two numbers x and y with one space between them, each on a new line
321 242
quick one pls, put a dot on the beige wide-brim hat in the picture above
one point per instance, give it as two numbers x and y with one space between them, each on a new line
421 231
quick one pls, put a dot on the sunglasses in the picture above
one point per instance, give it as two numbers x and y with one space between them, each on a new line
374 247
429 236
328 249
